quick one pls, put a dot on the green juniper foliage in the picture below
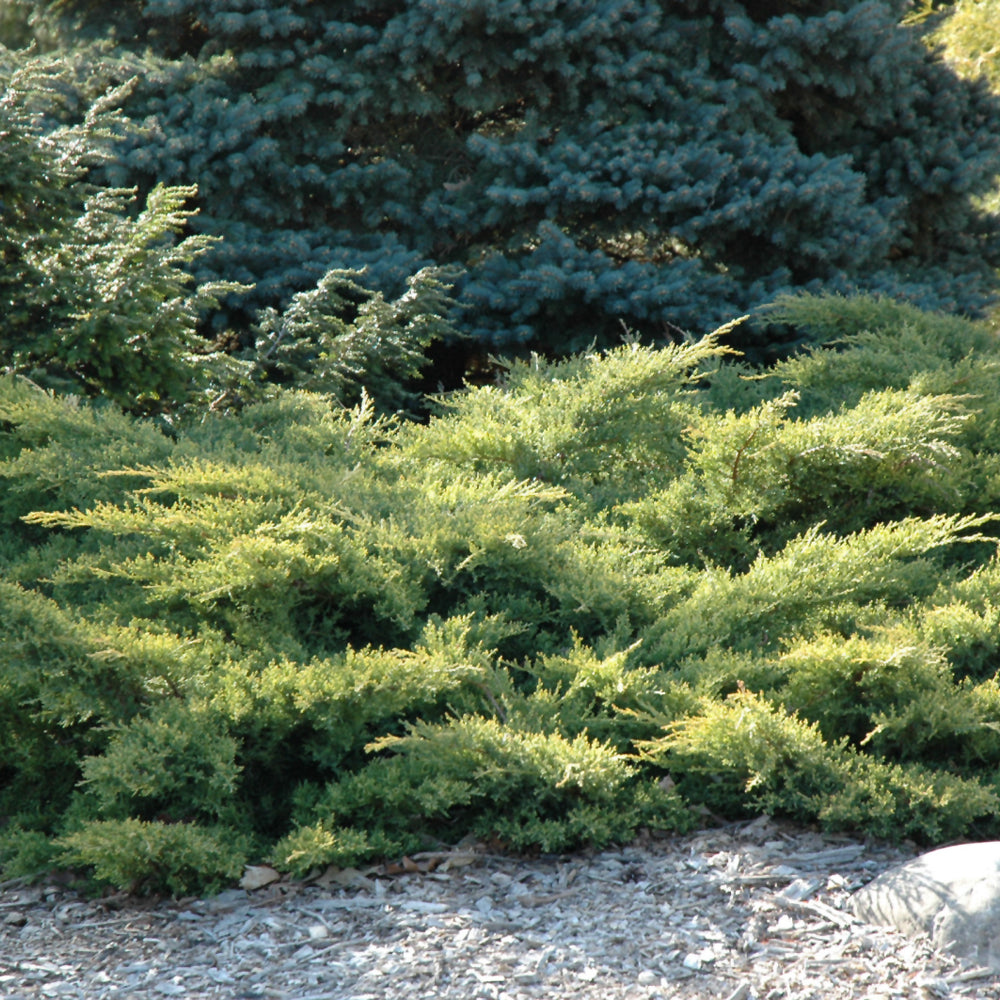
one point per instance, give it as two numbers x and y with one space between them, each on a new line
343 338
530 789
95 296
746 753
98 296
968 35
305 633
669 165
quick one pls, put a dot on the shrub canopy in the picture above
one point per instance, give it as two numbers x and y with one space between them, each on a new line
305 633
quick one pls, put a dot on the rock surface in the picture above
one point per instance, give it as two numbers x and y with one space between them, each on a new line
952 895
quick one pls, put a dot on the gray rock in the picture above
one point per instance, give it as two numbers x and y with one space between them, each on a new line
952 895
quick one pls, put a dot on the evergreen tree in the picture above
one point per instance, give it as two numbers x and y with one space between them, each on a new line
97 296
94 297
585 163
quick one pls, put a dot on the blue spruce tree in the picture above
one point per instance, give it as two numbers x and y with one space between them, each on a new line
584 163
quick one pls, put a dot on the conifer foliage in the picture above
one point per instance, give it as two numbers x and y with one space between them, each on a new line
96 285
95 296
246 615
583 163
308 634
967 34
